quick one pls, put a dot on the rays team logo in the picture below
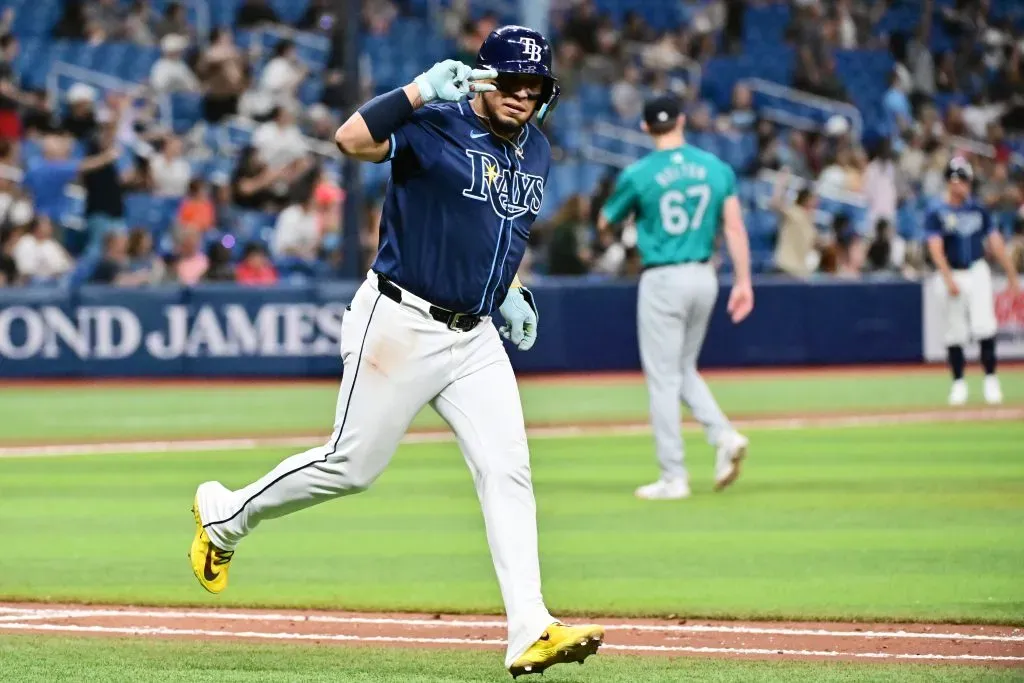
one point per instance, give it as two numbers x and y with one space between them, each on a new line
531 50
963 224
511 193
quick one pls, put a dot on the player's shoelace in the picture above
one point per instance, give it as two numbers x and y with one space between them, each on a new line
221 556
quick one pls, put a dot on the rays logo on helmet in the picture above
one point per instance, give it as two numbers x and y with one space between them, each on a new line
531 49
511 193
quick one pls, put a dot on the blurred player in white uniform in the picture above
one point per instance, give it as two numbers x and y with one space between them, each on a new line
958 229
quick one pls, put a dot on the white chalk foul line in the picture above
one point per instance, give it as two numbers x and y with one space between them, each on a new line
24 614
560 432
407 640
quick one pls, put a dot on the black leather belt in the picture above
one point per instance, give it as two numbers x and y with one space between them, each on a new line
666 265
461 322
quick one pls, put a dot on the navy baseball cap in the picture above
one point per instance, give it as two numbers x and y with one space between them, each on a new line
959 168
661 109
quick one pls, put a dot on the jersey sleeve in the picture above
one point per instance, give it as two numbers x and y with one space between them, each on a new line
933 224
415 144
729 187
988 226
622 200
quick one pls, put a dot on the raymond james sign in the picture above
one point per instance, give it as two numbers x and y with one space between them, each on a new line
115 332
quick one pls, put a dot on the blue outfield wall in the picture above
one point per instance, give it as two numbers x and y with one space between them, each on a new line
231 331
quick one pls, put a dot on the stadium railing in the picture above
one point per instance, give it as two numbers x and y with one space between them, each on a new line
802 106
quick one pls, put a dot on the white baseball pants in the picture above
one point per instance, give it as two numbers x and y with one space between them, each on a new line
972 314
673 311
397 359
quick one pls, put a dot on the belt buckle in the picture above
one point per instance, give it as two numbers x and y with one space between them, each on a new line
453 321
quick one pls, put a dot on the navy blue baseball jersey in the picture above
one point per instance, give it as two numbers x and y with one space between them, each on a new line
459 206
963 230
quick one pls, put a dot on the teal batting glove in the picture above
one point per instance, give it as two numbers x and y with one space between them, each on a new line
520 313
451 81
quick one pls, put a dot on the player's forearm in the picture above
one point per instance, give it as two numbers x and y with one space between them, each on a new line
938 254
366 134
1002 256
738 245
736 240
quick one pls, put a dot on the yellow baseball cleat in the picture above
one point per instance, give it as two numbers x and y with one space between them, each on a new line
209 563
560 644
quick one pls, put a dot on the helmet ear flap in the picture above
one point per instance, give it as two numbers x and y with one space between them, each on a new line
550 102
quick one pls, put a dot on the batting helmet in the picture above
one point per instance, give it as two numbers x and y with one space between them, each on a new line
959 168
521 50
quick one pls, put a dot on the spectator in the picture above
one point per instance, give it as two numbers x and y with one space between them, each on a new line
297 232
795 251
791 152
145 265
190 263
72 22
104 183
947 78
627 100
880 185
197 211
15 208
846 25
174 22
106 16
930 123
9 276
663 54
219 258
912 162
887 251
328 198
47 178
138 24
284 73
37 255
255 13
635 29
1000 193
252 186
170 172
568 251
222 70
320 122
81 119
37 116
113 266
955 124
170 73
742 117
839 175
11 96
255 268
981 113
842 251
279 141
896 105
934 181
581 26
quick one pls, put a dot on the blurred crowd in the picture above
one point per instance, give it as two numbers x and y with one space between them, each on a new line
106 146
102 149
968 101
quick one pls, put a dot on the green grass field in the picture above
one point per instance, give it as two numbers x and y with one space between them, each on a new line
107 661
897 522
95 412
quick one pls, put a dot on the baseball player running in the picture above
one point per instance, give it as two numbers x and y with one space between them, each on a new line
680 196
958 228
467 181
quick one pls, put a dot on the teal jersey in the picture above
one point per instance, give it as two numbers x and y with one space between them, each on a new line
677 196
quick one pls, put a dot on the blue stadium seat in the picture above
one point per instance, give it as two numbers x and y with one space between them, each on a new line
187 111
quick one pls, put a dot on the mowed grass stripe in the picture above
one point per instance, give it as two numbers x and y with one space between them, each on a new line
113 660
88 412
917 523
